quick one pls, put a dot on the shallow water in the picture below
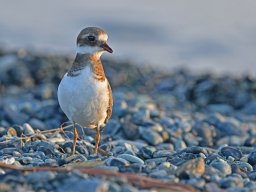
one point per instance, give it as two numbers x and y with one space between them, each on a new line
216 36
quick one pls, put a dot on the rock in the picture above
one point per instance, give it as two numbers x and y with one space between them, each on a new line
158 174
252 158
206 132
119 162
130 130
11 132
131 158
26 160
222 166
147 152
37 124
231 181
14 116
157 161
194 167
231 151
80 185
250 108
112 127
162 153
44 176
28 130
151 137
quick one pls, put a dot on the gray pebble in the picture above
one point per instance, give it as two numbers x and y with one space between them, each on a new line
231 151
157 161
82 185
222 166
231 181
131 158
162 153
147 152
28 130
37 124
26 160
151 137
118 162
112 127
159 174
252 158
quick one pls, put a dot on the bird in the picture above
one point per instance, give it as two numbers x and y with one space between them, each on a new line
84 93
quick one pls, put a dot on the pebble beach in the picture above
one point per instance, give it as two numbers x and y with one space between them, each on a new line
193 132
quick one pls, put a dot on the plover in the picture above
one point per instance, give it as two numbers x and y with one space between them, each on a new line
84 93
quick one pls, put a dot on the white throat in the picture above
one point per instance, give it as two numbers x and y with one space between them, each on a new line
89 50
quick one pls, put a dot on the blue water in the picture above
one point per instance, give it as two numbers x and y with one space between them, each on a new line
217 36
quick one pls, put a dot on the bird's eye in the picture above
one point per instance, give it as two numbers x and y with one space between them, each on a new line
91 38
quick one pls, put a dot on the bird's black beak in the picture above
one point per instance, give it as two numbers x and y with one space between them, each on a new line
106 48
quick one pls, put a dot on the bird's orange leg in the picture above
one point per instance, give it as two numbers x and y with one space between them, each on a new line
97 140
75 139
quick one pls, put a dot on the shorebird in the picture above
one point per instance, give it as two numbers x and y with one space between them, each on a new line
84 93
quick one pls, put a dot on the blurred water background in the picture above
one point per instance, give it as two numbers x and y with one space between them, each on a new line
217 36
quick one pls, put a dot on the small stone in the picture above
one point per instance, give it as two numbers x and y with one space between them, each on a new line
19 130
50 162
84 185
37 124
26 160
119 162
162 153
252 175
231 181
231 151
43 176
252 158
28 130
8 150
16 154
206 132
151 137
158 174
157 161
12 132
9 160
131 158
2 131
130 130
222 166
14 116
194 167
112 127
147 152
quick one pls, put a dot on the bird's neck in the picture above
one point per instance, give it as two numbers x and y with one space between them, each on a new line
87 60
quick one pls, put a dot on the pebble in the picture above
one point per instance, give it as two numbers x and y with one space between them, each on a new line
252 158
131 158
231 151
147 152
28 130
118 162
81 185
151 137
222 166
194 167
36 123
159 174
231 181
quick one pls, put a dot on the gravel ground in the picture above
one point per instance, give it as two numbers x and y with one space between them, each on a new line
198 130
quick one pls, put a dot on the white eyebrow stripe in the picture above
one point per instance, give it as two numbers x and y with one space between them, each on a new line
103 37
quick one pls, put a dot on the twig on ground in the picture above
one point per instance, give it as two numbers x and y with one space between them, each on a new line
140 181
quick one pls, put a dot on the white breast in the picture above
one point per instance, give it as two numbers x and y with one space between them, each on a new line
84 99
